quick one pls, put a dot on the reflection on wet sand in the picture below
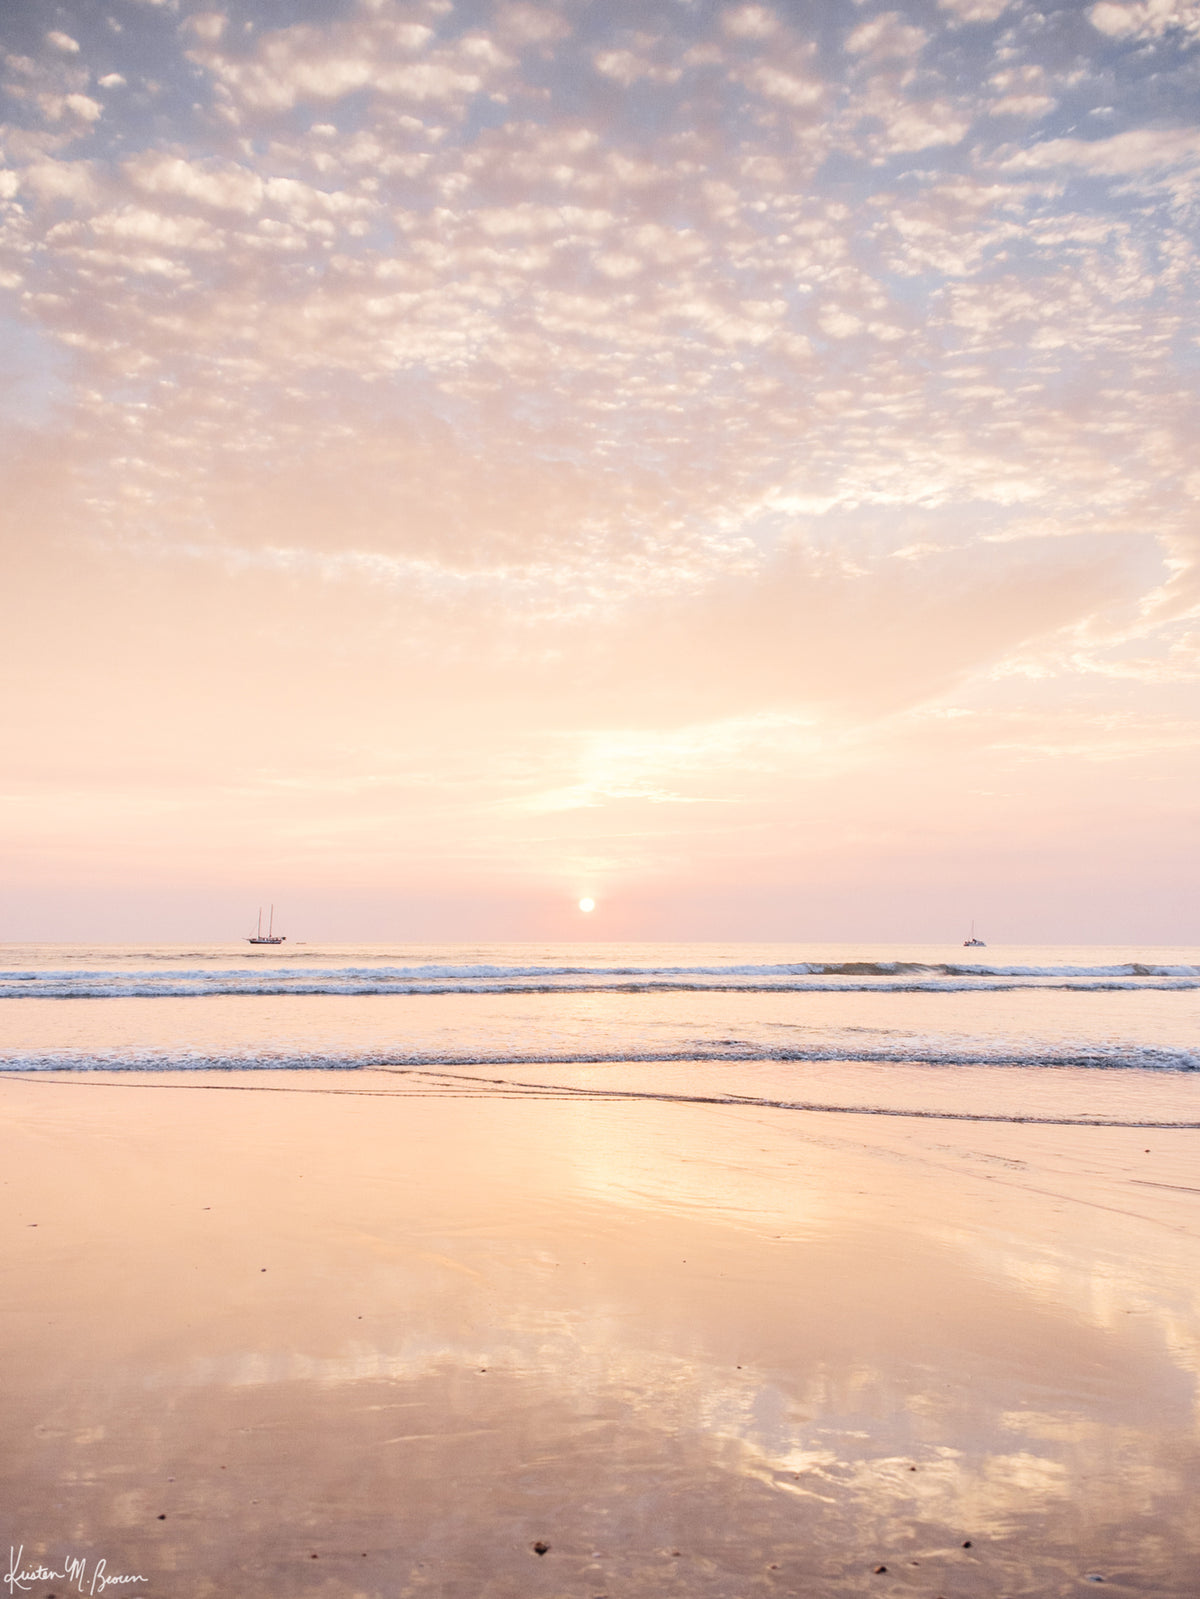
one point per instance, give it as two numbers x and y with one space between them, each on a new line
349 1345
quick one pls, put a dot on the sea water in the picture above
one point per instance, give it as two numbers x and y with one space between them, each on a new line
1081 1031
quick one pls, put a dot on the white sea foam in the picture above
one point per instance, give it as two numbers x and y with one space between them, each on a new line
181 982
933 1052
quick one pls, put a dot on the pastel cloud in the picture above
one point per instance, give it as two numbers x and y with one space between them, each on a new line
975 10
385 48
221 186
1139 150
576 382
750 22
1145 19
887 35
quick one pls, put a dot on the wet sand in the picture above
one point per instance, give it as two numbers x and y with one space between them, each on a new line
350 1334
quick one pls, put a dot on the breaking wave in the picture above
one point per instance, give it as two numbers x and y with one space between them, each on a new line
801 977
932 1052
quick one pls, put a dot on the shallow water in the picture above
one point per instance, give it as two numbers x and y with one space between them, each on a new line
362 1334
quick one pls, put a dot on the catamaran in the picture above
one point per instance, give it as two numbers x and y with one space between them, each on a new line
973 942
270 936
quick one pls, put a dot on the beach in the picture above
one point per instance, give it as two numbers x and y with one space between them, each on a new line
372 1332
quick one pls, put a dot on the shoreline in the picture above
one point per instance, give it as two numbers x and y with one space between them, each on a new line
1064 1090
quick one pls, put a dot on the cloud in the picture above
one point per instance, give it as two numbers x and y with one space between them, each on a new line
892 123
387 48
750 22
887 35
1145 19
206 25
63 42
793 87
1022 91
151 227
1022 105
975 10
799 634
67 180
224 186
627 67
531 24
1139 150
83 106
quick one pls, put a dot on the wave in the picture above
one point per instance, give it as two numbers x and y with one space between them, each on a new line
438 1082
800 977
926 1052
443 971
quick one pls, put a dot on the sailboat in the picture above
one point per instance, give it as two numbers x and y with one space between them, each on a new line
973 942
270 936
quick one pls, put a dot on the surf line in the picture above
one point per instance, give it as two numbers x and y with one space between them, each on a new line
741 1101
139 1079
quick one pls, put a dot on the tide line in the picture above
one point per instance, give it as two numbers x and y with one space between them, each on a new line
464 1086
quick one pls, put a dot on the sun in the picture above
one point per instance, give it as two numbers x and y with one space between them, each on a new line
586 905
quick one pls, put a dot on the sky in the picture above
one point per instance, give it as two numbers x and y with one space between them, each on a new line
736 462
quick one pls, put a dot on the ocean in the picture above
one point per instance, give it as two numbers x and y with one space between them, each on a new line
1017 1032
